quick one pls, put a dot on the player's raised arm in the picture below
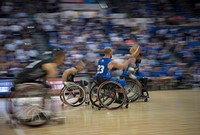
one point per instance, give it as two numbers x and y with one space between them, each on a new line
135 51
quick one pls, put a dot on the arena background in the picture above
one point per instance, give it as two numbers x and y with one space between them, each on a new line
168 32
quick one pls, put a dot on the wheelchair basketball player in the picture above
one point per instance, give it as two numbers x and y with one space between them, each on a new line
106 64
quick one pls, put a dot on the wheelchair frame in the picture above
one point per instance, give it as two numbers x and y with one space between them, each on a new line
97 98
31 112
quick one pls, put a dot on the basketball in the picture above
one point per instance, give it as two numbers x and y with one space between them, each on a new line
135 51
131 70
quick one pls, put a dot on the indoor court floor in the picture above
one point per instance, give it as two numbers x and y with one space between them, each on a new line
172 112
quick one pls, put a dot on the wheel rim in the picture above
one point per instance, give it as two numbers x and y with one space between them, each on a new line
108 96
74 95
133 90
93 95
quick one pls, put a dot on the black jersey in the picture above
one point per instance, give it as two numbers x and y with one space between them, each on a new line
70 78
34 70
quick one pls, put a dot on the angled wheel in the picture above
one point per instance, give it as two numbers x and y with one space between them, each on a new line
109 95
61 94
73 95
93 96
145 95
133 90
27 105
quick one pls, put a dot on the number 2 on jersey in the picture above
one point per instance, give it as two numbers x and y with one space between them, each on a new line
100 69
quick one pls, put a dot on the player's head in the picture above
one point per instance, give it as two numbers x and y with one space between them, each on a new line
58 56
80 65
108 51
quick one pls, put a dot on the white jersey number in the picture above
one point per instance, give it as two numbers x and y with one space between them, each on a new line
100 69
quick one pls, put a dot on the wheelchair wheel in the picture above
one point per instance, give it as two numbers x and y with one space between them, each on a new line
108 95
61 94
133 90
73 95
27 106
145 93
93 96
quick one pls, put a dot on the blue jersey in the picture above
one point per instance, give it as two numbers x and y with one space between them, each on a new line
103 68
125 73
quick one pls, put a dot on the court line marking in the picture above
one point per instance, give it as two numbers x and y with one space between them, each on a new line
18 131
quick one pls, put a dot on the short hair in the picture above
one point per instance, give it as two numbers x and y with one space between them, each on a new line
107 50
57 53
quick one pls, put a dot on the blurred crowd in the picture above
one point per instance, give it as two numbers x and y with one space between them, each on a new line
170 42
16 46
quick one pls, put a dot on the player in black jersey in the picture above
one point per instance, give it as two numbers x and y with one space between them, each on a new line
39 71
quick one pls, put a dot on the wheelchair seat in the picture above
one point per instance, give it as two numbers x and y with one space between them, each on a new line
99 80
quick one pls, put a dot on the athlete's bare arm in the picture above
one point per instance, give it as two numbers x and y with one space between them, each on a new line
51 69
67 72
114 64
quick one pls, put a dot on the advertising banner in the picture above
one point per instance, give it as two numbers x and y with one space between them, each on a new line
5 85
56 84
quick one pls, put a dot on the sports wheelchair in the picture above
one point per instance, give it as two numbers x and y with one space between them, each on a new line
105 94
30 104
74 94
136 89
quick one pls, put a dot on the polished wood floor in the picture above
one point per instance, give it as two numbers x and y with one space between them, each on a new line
173 112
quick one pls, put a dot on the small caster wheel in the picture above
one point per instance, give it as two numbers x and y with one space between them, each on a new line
99 108
126 106
92 106
87 102
146 99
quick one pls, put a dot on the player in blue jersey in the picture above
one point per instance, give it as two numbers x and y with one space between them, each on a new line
106 64
132 70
